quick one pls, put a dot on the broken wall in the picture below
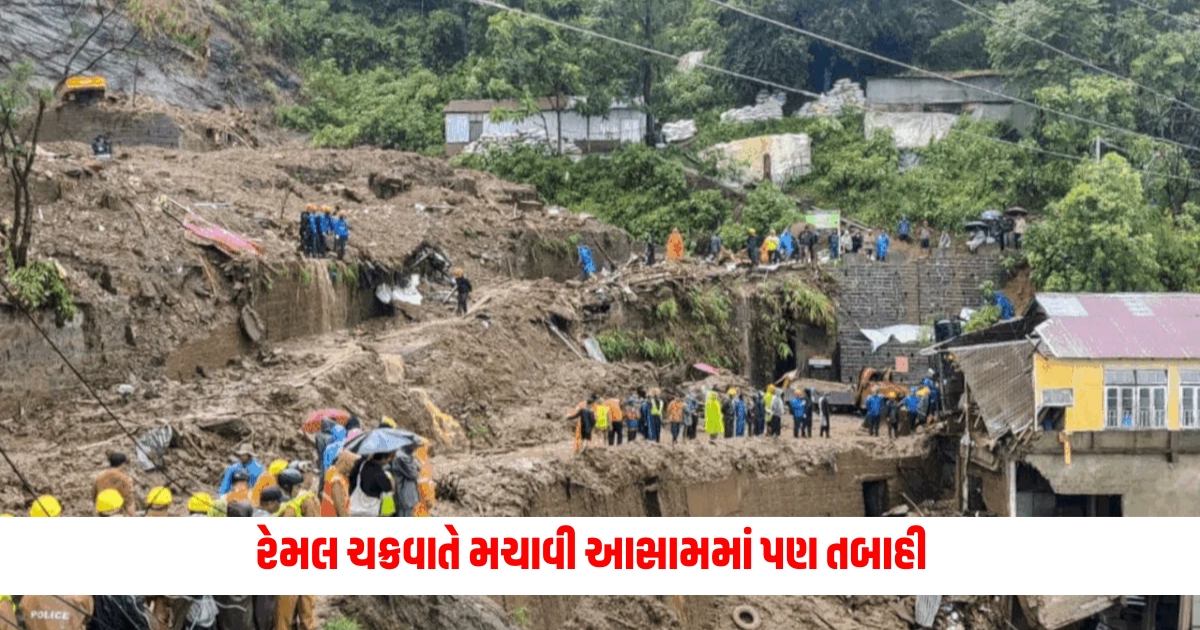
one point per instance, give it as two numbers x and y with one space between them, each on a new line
1149 484
76 123
29 369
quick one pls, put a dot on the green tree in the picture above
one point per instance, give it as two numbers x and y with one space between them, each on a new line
18 152
1100 236
1076 26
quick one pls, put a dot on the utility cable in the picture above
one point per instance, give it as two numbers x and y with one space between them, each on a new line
1079 60
907 66
1180 19
645 49
758 80
137 445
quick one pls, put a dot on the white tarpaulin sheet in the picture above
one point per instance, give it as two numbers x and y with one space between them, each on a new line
910 130
388 294
903 333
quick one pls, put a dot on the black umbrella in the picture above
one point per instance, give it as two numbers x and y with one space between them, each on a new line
384 440
1016 211
975 226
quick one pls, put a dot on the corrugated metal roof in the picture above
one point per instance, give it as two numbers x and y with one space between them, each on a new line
1000 377
1120 325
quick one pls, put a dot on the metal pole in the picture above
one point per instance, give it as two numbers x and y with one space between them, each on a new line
1097 150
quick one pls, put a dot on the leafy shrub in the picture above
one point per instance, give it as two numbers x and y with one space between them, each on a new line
38 285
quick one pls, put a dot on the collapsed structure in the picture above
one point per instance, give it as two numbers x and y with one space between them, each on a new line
1084 406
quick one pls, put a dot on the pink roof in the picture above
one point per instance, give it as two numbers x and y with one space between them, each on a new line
1120 325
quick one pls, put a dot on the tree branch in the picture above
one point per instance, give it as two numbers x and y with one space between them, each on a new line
96 29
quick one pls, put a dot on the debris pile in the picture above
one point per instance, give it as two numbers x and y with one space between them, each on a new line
767 106
522 137
679 131
845 94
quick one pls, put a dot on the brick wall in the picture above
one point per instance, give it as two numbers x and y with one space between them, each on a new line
29 369
1149 484
915 291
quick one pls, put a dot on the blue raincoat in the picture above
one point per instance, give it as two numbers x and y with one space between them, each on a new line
337 439
912 401
881 246
874 406
325 222
787 245
739 416
1006 307
585 260
340 229
797 405
905 228
254 468
933 392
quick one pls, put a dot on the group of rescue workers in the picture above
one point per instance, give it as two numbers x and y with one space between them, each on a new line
732 414
379 484
321 231
775 248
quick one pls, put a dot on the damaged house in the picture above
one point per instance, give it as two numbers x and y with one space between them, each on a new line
1088 405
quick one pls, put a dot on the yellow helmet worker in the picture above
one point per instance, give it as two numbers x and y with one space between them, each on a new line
198 504
45 506
109 503
158 501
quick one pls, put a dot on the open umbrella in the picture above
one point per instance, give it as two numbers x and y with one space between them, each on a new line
1016 211
990 215
975 226
312 423
381 441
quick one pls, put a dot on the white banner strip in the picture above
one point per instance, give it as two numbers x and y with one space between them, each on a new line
601 556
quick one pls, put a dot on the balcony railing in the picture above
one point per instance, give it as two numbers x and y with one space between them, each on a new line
1141 419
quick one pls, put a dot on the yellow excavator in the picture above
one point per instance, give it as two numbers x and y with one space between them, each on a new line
84 90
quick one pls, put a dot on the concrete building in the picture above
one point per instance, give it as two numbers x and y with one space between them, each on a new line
470 120
920 104
1085 406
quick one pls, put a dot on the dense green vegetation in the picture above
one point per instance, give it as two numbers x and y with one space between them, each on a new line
380 71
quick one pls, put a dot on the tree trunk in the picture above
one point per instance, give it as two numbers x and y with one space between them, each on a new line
20 169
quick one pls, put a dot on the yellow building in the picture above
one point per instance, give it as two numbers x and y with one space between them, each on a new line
1118 362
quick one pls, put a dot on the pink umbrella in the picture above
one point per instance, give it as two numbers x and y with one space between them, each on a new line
707 369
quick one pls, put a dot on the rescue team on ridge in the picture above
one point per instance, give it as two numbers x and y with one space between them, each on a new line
782 246
730 414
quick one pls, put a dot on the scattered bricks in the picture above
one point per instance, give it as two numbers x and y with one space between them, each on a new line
465 185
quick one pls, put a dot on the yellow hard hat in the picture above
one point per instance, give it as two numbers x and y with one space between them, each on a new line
45 505
732 392
458 273
109 501
310 207
326 209
388 422
200 502
159 497
277 467
752 232
770 389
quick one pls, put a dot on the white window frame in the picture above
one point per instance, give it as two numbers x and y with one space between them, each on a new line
1189 415
1066 393
1146 390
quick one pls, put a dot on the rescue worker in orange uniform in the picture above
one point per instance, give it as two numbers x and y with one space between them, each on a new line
158 501
267 479
335 500
56 612
675 245
114 478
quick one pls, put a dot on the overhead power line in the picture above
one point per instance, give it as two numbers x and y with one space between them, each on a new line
1177 18
645 49
70 366
908 66
1079 60
753 79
